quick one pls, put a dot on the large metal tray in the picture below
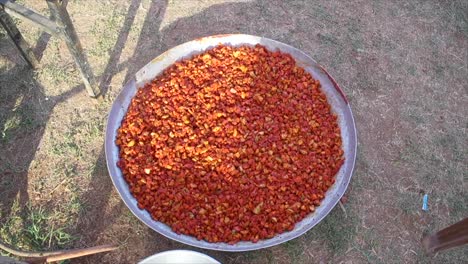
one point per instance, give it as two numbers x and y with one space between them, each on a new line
335 97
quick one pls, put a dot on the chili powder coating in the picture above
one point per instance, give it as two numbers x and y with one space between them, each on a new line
234 144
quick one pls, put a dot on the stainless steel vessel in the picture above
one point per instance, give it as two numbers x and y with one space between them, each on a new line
335 96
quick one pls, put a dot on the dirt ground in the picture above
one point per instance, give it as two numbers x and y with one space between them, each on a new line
402 64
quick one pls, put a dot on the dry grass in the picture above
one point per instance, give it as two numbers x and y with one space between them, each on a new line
402 64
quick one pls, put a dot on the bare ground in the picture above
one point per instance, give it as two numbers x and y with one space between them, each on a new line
403 65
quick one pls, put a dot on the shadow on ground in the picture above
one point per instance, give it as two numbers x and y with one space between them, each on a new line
24 114
376 55
217 19
99 212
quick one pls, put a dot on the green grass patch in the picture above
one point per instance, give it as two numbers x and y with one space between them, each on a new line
458 204
368 249
106 31
336 230
41 234
21 119
58 74
320 13
295 250
34 228
11 124
67 147
409 202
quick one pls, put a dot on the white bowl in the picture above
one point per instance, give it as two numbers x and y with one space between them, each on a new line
179 257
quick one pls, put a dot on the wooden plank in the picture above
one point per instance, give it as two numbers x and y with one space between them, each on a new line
451 236
22 12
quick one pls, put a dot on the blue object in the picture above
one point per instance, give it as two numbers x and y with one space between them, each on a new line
425 207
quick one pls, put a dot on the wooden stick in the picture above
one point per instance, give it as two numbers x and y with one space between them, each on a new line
51 256
452 236
75 253
343 208
29 254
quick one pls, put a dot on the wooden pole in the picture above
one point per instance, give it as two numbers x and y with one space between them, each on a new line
74 46
17 38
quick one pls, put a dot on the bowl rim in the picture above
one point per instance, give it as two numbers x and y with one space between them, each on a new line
179 251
